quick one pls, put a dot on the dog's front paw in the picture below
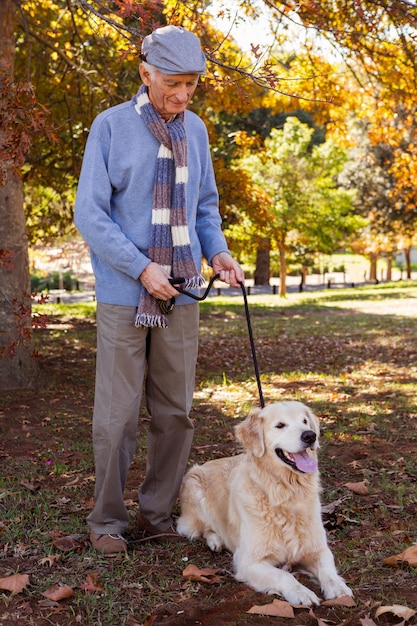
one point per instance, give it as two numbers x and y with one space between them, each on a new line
300 595
336 588
214 542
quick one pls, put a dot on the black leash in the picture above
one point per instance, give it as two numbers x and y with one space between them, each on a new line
167 307
252 345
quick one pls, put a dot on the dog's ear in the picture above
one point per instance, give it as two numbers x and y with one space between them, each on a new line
250 433
314 422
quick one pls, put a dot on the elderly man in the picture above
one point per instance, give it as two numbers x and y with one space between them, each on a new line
147 205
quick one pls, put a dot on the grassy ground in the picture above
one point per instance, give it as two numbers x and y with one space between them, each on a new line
349 354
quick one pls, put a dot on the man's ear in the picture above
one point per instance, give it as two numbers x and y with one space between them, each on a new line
144 74
250 433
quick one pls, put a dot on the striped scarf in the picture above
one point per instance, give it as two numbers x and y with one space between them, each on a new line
170 238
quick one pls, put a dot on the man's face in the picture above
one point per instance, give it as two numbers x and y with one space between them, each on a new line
169 94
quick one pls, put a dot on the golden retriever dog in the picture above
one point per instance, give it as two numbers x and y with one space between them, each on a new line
264 505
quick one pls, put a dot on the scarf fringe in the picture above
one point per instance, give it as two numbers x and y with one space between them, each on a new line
146 320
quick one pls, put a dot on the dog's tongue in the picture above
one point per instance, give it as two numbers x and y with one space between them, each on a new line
305 462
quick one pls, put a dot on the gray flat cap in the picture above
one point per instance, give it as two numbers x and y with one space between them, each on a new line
174 50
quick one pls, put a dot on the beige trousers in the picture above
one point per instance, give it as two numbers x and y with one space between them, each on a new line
125 354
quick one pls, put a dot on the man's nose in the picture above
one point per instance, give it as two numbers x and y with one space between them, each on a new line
182 94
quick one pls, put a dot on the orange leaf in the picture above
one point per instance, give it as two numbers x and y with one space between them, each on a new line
93 584
359 488
408 557
342 601
58 592
206 575
15 583
277 608
49 560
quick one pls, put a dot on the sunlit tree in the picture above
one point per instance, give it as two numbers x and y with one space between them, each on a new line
306 208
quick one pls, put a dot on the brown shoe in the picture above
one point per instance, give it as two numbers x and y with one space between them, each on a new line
109 545
157 533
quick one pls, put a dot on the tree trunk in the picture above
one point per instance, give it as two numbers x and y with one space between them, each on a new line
304 272
262 269
372 267
407 255
282 270
389 268
17 365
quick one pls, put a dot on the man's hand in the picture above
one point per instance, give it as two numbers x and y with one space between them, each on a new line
229 269
155 280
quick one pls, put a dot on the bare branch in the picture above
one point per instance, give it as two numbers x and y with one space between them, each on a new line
267 81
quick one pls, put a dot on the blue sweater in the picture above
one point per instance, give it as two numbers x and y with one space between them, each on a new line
113 208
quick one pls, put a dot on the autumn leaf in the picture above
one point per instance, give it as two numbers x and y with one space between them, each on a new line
277 608
407 557
396 609
93 584
67 544
32 486
15 583
332 506
206 575
320 622
58 592
359 488
342 601
49 560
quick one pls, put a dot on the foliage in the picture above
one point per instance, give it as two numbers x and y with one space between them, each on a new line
85 53
22 118
307 211
77 66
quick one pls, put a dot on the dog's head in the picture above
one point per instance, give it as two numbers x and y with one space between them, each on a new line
289 430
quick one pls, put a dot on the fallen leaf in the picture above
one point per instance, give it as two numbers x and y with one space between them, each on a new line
277 608
320 622
48 604
67 544
407 557
206 575
397 609
59 502
342 601
58 592
93 584
359 488
20 549
15 583
332 506
49 560
73 482
29 485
